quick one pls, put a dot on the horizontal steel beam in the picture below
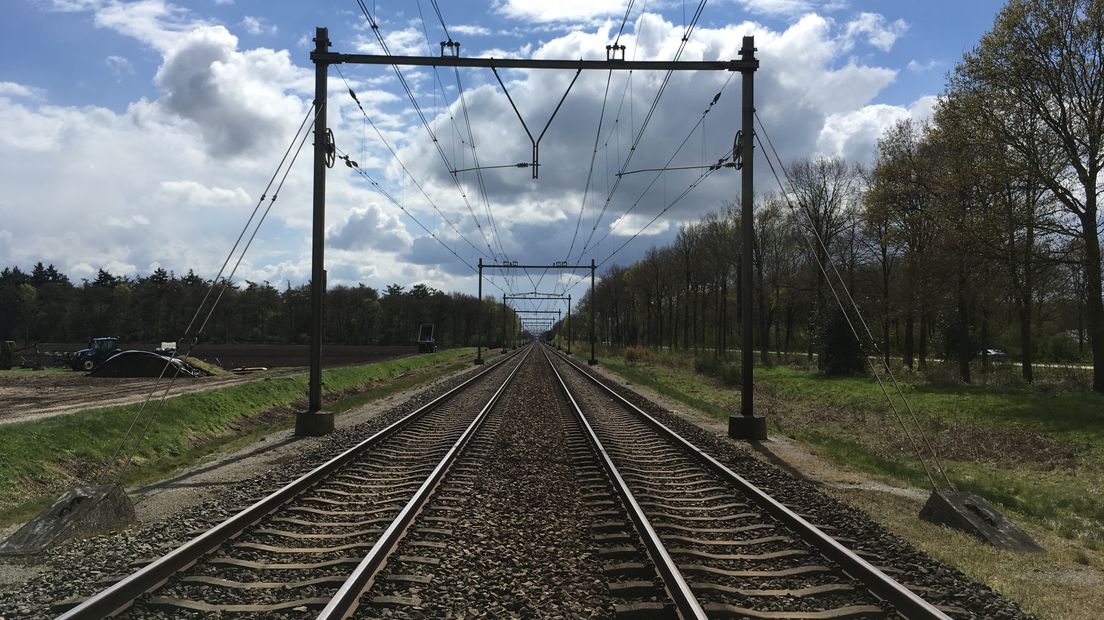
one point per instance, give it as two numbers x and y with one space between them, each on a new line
536 297
490 266
334 58
536 311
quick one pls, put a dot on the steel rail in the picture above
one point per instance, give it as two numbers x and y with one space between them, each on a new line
123 593
881 585
686 604
347 598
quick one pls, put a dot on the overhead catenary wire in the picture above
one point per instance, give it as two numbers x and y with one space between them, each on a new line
593 156
433 136
481 184
693 185
644 124
300 136
380 189
612 128
386 143
456 128
666 166
839 301
425 123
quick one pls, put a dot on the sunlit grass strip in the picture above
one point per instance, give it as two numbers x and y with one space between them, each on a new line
38 458
1067 500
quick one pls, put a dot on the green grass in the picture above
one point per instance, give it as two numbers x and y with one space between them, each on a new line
1038 450
42 457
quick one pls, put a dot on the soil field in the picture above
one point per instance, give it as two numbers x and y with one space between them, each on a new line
29 395
280 356
238 355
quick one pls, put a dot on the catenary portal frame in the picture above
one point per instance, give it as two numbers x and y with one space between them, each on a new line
316 422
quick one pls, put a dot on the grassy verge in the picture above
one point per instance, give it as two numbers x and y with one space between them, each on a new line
1036 451
40 458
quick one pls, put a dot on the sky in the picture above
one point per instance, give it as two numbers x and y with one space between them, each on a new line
142 134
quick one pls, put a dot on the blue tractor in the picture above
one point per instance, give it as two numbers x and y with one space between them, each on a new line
99 349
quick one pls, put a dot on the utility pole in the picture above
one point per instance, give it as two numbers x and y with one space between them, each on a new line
479 320
314 421
747 425
504 322
593 359
569 336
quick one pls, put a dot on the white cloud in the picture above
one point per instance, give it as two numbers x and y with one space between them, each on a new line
12 89
119 66
370 228
876 30
408 41
470 30
922 67
777 7
257 26
852 134
561 10
634 222
808 101
192 193
153 22
170 180
175 175
236 100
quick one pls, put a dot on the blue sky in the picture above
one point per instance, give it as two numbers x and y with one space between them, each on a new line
139 134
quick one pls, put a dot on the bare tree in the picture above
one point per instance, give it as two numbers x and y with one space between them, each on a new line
1044 56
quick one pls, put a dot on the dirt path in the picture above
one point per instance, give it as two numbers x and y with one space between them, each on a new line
37 396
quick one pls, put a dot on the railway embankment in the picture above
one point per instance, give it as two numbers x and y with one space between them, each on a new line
1036 451
40 458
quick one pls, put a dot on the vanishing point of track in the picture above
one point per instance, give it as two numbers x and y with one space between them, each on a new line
676 532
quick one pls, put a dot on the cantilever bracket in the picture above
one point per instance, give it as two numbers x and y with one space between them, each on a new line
453 48
536 143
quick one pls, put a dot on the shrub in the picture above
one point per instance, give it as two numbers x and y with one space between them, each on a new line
1062 348
708 364
637 355
731 374
840 353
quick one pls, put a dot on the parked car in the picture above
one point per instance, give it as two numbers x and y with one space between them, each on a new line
993 354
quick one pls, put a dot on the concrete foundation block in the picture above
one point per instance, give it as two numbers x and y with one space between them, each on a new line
974 515
316 424
749 428
81 512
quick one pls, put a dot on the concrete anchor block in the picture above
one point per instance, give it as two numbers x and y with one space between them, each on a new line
81 512
314 424
974 515
748 428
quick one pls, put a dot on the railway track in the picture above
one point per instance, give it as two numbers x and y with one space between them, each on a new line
290 552
720 546
462 506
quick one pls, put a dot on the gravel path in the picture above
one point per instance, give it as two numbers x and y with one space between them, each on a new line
518 541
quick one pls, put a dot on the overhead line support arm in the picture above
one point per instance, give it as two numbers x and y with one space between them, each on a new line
334 58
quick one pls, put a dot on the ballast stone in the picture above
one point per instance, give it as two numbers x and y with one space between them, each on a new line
81 512
974 515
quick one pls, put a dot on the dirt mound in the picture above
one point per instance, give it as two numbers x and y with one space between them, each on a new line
145 364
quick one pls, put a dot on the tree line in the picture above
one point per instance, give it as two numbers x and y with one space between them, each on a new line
976 229
44 305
